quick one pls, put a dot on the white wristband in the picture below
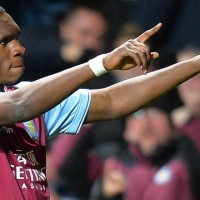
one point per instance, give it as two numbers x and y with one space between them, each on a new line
96 65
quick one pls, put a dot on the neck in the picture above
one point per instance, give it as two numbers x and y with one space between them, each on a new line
1 87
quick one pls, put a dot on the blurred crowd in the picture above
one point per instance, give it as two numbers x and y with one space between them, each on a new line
152 154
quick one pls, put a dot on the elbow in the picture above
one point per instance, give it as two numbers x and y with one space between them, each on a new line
11 113
19 111
14 108
22 109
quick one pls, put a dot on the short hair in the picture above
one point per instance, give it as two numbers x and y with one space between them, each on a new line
67 13
2 10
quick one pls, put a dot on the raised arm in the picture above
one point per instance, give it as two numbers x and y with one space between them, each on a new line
41 95
130 95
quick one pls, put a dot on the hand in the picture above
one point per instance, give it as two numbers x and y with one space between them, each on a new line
114 179
114 183
133 53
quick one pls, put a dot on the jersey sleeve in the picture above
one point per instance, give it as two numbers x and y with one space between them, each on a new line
69 115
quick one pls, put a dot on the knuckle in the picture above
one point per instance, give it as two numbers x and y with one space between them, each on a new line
143 54
129 45
130 41
120 51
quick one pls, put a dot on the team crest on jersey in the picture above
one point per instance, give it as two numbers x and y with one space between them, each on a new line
31 129
163 176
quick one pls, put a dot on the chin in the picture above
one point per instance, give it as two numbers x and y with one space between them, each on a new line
148 152
12 81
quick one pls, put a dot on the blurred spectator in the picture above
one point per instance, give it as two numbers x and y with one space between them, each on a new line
83 31
157 166
82 28
81 158
102 139
187 117
79 36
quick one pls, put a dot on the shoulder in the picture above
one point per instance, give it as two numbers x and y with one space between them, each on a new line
179 169
21 84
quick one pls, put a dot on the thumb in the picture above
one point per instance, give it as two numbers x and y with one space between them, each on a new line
154 55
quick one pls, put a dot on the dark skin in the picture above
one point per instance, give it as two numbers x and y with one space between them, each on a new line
106 104
12 52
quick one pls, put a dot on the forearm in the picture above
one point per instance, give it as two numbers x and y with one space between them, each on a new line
137 92
130 95
41 95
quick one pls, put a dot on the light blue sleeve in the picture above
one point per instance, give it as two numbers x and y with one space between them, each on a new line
69 115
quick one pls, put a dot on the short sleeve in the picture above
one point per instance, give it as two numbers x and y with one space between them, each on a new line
69 115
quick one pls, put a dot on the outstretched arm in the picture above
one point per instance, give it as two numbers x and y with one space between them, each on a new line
130 95
41 95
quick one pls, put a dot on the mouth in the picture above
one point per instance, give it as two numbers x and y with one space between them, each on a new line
17 63
17 66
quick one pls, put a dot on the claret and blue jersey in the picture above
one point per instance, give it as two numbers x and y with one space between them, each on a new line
23 147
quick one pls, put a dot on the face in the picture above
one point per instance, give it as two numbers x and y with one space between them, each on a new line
148 129
189 92
86 28
11 51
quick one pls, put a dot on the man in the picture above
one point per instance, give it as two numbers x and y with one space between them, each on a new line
187 116
166 169
82 28
22 145
155 164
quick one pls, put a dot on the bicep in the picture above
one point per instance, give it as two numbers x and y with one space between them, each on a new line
100 106
14 108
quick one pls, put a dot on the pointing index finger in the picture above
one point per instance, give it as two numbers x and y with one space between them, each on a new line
149 33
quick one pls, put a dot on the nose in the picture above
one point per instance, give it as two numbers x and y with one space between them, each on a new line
17 48
146 123
92 44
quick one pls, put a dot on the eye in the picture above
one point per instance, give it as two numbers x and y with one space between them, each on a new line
6 40
2 43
